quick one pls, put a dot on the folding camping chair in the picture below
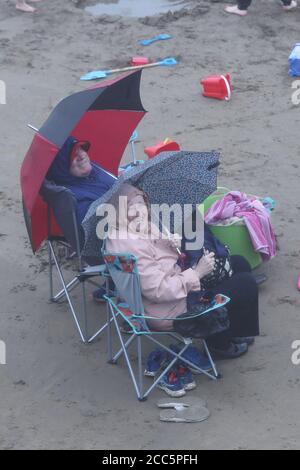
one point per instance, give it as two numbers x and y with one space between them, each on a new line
124 273
63 205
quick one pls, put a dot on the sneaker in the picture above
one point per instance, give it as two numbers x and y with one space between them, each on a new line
126 328
186 377
235 10
98 295
171 384
290 7
260 278
193 355
155 361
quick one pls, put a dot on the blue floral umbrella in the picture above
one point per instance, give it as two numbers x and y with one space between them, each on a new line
185 178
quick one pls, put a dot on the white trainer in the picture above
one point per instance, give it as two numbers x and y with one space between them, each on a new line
235 10
290 7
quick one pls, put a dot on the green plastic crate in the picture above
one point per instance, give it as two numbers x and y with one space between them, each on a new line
236 237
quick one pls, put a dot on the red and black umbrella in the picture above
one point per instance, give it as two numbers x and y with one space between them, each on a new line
105 115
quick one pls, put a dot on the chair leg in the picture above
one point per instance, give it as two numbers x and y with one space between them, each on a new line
100 331
213 365
109 317
50 271
70 286
126 355
65 289
140 367
121 352
84 311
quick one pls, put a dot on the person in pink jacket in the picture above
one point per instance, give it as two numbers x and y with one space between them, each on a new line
165 287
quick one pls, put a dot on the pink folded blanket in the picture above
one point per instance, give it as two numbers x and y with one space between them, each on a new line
256 218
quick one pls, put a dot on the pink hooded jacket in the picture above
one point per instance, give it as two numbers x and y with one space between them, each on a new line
164 286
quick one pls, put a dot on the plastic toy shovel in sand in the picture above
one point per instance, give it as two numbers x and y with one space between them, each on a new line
160 37
298 283
97 74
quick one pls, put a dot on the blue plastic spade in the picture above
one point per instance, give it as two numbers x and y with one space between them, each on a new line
160 37
97 74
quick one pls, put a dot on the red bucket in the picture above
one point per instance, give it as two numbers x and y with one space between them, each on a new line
217 86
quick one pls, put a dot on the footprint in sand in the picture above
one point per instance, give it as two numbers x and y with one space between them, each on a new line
20 287
287 300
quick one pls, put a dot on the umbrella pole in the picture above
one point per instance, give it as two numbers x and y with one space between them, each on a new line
168 234
182 256
35 129
133 152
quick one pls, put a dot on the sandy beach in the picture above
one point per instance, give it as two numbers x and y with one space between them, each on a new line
57 393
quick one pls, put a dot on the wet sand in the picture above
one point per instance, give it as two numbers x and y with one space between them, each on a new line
58 393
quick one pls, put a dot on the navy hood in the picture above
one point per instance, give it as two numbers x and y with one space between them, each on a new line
87 189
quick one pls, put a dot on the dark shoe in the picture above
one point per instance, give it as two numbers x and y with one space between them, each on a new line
195 356
232 352
155 361
98 295
101 291
126 328
260 278
249 340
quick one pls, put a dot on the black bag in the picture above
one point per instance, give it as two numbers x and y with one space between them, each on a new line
222 269
221 272
194 325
